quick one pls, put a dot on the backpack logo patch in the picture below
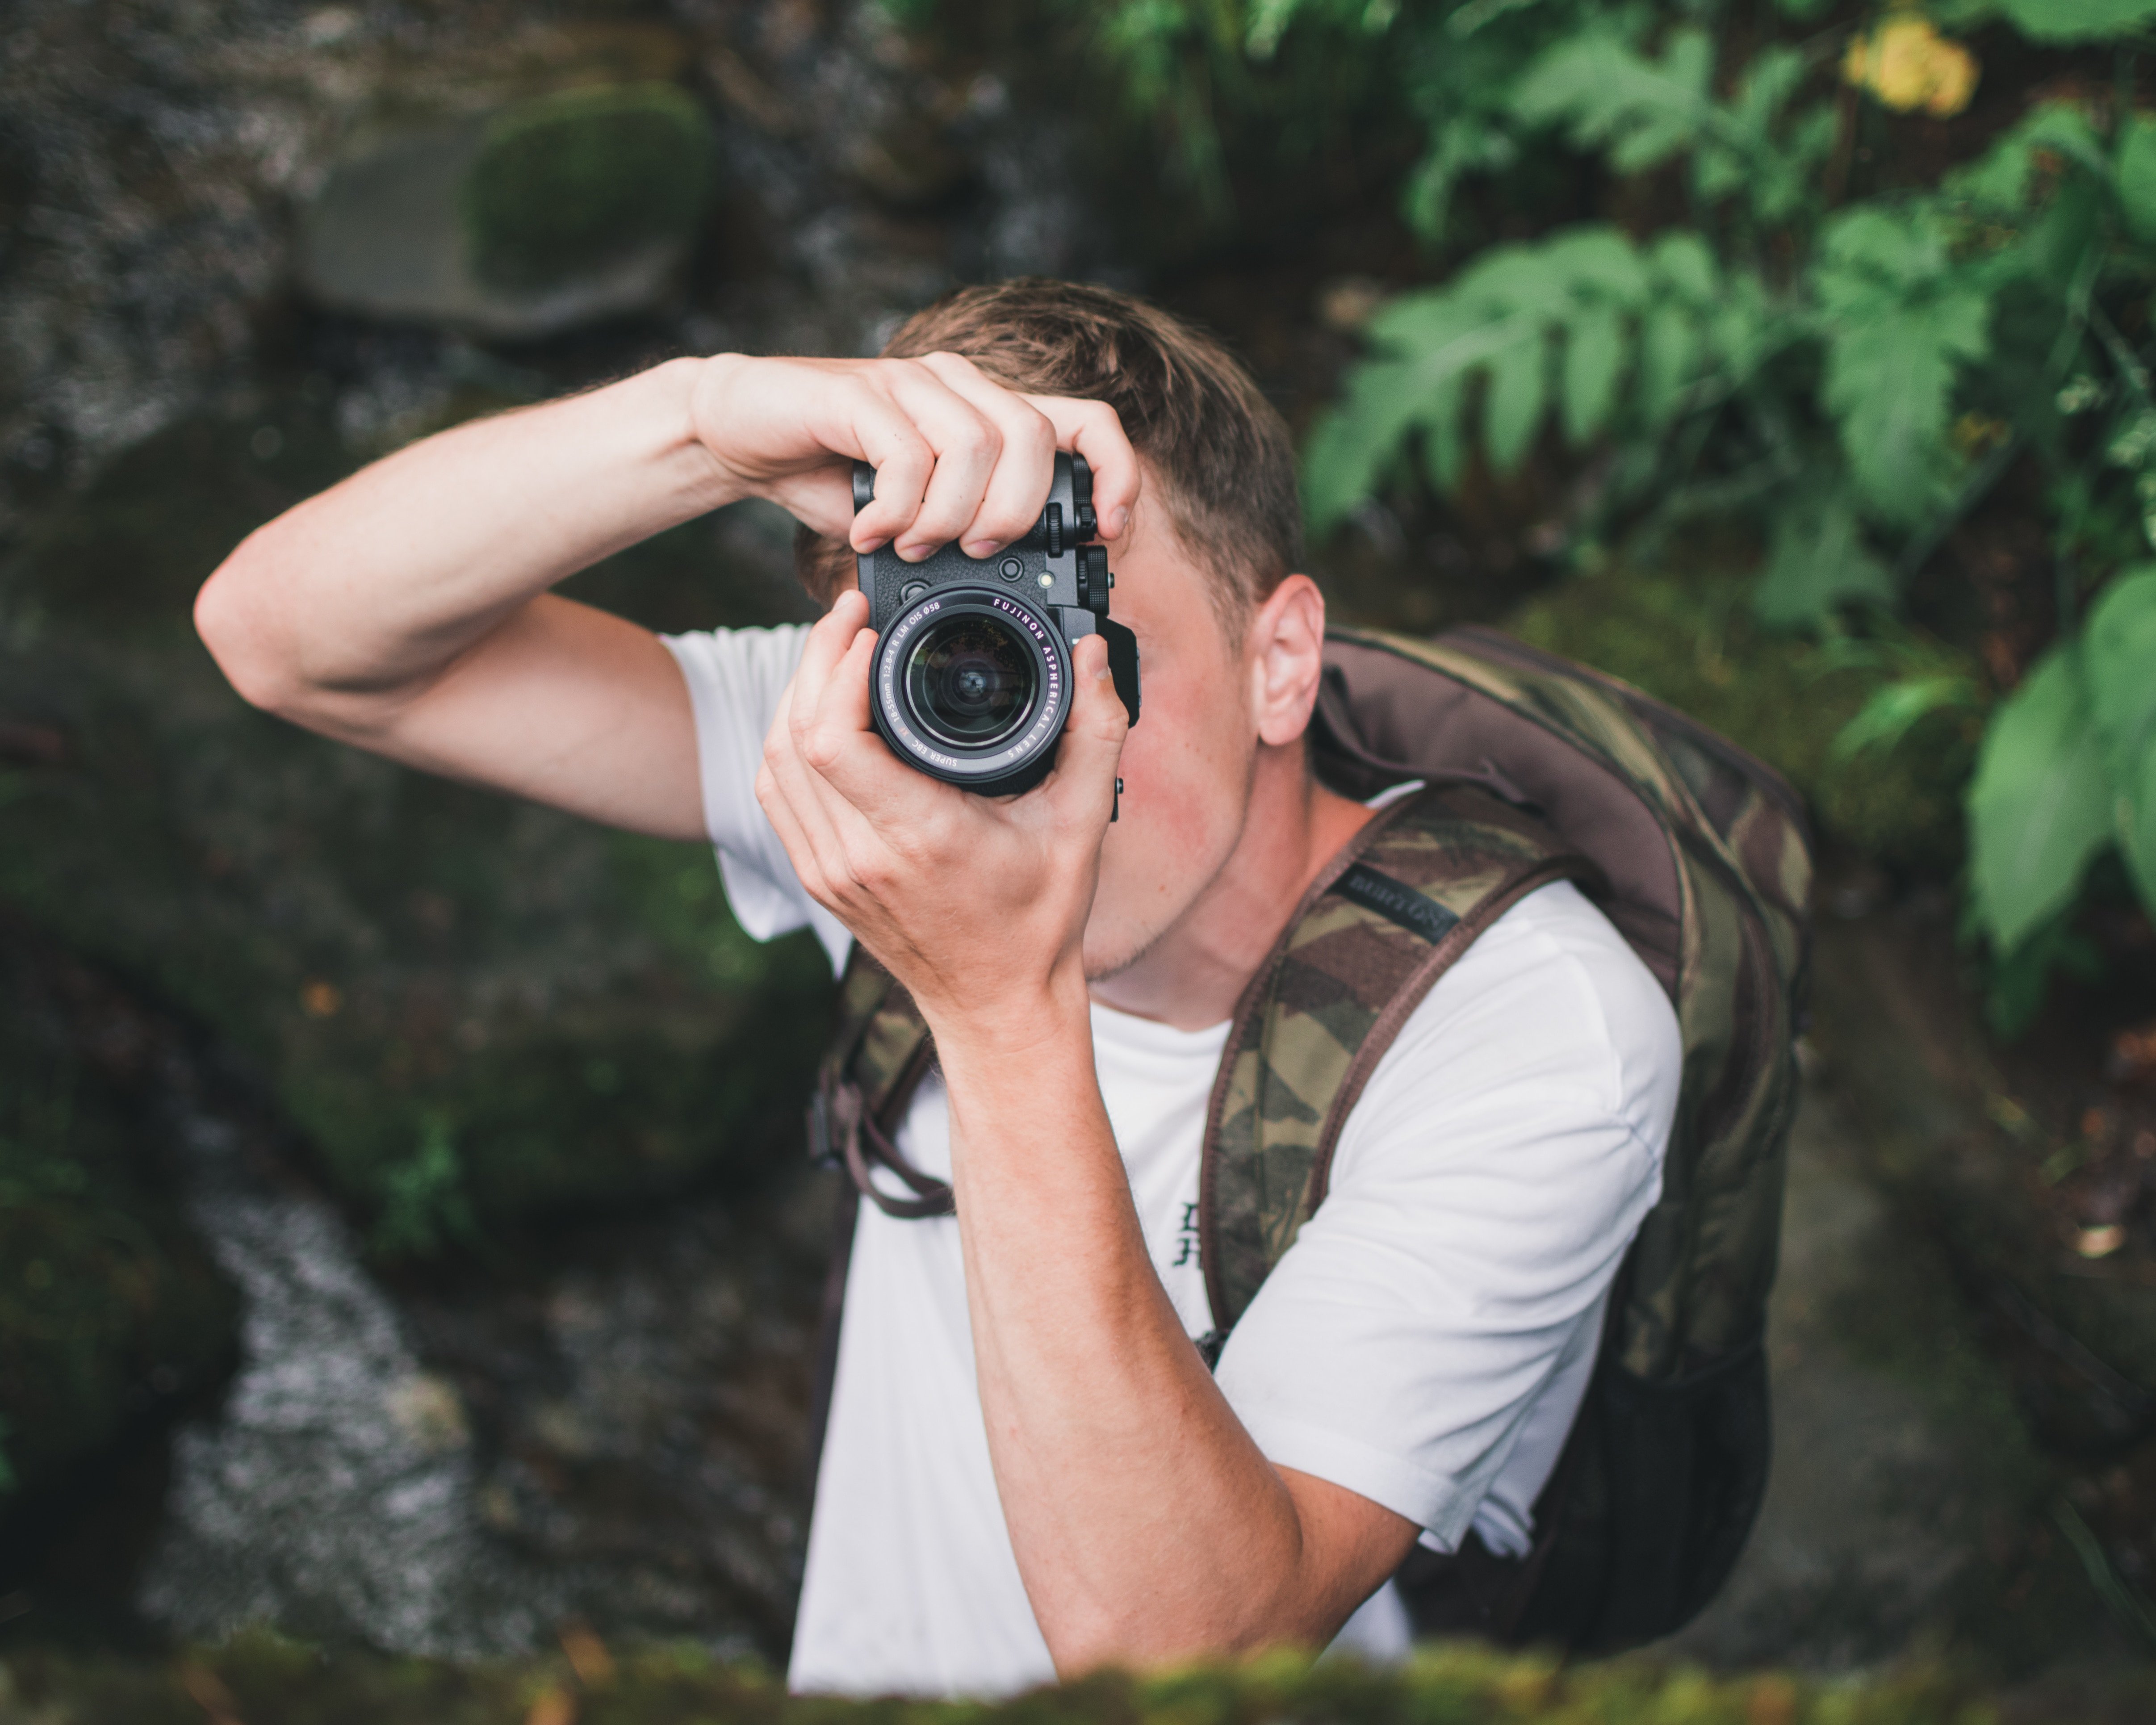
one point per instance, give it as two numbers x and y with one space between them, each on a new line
1396 901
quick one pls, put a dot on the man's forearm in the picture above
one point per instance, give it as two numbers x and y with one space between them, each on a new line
1146 1523
387 577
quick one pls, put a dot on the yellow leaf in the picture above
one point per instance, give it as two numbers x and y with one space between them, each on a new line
1908 65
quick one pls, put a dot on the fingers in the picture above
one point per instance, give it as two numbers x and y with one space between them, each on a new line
972 464
1082 787
1095 430
1019 486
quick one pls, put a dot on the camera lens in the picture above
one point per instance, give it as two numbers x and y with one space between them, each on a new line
971 681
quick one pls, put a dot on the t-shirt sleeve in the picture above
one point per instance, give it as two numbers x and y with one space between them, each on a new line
1485 1189
737 678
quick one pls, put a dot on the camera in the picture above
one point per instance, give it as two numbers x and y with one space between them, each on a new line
971 681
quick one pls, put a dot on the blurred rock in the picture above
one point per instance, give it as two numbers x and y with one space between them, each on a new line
1907 1513
333 1495
547 214
477 1014
112 1315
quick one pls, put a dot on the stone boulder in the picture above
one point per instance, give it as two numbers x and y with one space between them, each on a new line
549 212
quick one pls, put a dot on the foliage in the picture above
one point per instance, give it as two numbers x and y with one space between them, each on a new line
270 1681
1848 358
1689 638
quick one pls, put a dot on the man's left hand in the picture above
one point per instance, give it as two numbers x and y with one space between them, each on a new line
978 904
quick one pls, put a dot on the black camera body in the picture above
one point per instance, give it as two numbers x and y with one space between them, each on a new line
972 678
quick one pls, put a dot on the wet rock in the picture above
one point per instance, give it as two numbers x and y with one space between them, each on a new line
1907 1514
461 1468
549 213
333 1495
112 1314
479 1014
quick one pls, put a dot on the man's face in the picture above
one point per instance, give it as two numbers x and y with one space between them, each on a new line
1187 766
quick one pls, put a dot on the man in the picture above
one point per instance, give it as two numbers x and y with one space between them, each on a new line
1029 1470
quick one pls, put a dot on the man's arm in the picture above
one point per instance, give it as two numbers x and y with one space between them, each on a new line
407 610
1146 1524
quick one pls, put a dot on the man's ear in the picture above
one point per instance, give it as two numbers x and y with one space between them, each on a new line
1285 649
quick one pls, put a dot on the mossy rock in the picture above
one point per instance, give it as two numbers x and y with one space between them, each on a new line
271 1682
111 1309
1689 638
566 180
481 1013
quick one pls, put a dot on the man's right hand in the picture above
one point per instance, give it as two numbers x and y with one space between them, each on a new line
406 610
957 456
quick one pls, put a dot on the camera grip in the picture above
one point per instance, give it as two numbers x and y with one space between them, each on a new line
1122 662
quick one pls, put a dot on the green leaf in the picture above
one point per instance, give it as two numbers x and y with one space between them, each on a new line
2118 657
1512 407
2004 178
2041 806
1445 438
1894 708
1683 261
1899 325
2076 20
1593 355
1467 143
2137 174
1817 561
1669 349
1643 111
2136 821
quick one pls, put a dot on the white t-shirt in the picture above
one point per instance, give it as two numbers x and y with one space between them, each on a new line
1425 1343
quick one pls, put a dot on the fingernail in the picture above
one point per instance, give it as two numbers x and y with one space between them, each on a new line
980 548
1117 521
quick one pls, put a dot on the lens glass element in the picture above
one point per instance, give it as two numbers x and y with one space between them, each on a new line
971 681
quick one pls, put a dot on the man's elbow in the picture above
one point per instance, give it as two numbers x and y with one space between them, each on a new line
233 616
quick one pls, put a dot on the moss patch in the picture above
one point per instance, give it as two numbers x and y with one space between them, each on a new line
565 181
261 1679
1689 639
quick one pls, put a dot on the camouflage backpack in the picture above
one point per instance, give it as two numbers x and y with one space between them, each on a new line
1535 769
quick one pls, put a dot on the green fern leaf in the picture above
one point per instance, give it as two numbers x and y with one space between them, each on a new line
1680 259
1594 356
1899 326
1669 350
1444 436
1512 405
1817 561
1643 111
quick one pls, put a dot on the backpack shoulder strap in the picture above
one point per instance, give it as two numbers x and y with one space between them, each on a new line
1383 921
877 1058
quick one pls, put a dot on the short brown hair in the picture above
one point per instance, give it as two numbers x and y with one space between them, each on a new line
1217 452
